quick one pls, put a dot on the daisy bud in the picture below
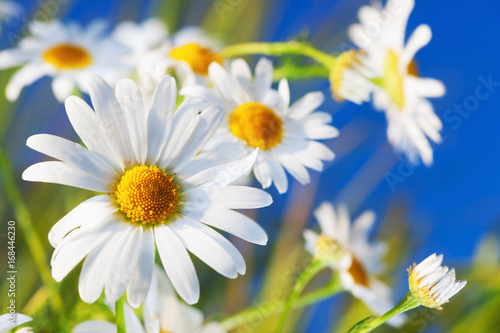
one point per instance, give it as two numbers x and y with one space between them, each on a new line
433 284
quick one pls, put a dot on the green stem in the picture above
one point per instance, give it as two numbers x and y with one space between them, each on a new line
300 284
270 308
279 49
369 324
25 222
300 73
120 316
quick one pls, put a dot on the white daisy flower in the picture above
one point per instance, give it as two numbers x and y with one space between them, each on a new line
432 284
9 321
156 190
186 54
140 38
162 312
66 52
347 250
260 117
398 89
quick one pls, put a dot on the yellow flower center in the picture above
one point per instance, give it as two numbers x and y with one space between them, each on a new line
256 124
147 195
423 294
67 56
328 250
393 80
197 57
344 61
358 273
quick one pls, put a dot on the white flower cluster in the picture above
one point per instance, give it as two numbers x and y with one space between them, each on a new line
173 130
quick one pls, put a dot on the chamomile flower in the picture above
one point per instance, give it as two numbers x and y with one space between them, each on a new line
9 321
397 87
186 54
66 52
156 189
259 117
432 284
162 312
347 250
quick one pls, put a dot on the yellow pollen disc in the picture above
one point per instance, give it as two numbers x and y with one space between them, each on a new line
256 124
344 61
328 249
393 81
67 56
147 195
197 57
358 273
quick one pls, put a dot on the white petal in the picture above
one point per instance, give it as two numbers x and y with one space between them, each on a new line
91 211
94 271
327 219
86 125
184 122
71 153
263 78
23 77
311 240
77 245
61 173
202 93
177 264
241 71
307 104
418 39
132 105
5 320
262 171
62 86
123 261
12 58
278 175
210 120
241 197
284 91
111 118
295 168
138 288
208 245
234 223
224 174
160 116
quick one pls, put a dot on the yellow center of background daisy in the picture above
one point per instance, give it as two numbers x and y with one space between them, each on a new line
393 81
257 124
328 249
147 195
67 56
358 273
197 57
